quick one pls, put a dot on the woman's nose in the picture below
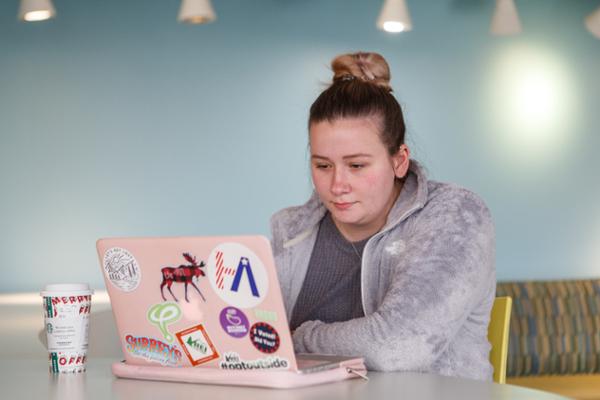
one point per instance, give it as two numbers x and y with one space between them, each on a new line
339 183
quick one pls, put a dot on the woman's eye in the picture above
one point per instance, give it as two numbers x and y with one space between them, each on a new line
356 166
321 166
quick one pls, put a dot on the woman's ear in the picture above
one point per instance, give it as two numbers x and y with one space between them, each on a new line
400 161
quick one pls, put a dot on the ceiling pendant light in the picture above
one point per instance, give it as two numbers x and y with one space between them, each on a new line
394 17
506 19
592 23
196 12
36 10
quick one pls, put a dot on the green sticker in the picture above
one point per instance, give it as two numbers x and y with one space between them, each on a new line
265 315
163 314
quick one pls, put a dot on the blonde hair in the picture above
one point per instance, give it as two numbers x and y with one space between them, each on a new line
369 67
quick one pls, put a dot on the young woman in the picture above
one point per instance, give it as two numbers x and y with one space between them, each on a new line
382 262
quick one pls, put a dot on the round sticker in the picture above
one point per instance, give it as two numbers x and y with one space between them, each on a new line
234 322
122 269
237 275
264 337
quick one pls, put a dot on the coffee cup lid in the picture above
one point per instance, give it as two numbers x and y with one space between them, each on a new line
66 289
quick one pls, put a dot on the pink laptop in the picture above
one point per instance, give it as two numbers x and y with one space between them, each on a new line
207 310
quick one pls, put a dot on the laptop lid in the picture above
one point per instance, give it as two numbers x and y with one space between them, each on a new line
197 301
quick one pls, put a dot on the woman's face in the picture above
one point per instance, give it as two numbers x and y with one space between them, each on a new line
354 175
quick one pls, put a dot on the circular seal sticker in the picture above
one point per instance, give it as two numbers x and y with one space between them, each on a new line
264 337
234 322
237 275
122 269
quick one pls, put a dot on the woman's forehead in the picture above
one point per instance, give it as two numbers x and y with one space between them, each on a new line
355 133
345 140
370 123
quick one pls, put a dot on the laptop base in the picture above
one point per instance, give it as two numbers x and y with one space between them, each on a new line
277 379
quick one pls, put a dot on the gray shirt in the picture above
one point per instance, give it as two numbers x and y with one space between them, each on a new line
331 290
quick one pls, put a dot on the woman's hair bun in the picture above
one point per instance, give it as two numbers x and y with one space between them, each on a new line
368 67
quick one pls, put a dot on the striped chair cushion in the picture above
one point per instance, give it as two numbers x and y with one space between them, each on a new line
554 327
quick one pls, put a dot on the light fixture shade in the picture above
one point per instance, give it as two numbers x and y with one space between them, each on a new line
394 17
196 12
592 23
506 19
36 10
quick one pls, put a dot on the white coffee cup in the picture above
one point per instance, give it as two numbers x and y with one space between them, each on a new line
67 309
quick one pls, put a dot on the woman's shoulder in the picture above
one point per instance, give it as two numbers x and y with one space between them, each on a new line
451 199
293 214
291 221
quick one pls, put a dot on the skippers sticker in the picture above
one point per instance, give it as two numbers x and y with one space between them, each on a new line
153 350
237 275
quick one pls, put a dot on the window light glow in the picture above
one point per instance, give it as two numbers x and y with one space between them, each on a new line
533 104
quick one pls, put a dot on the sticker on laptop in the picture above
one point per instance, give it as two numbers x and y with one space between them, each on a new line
237 275
234 322
185 273
264 337
153 350
197 345
265 315
162 315
122 269
232 360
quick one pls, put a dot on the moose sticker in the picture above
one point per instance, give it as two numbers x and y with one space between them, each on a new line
185 274
237 275
122 269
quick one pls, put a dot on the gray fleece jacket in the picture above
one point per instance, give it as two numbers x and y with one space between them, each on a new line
428 282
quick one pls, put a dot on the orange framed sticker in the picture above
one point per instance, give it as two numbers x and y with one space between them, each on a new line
197 345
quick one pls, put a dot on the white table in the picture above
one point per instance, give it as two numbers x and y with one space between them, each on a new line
24 370
29 379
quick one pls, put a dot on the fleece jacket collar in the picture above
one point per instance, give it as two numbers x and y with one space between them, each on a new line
413 196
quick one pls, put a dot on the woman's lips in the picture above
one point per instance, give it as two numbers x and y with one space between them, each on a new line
342 206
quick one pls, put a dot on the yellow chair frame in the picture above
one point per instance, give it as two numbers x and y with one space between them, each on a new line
498 336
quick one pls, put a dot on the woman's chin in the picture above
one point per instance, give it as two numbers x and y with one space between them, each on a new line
344 217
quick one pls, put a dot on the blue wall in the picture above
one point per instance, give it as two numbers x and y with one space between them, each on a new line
115 120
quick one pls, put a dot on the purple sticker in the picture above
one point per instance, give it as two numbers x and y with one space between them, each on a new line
234 322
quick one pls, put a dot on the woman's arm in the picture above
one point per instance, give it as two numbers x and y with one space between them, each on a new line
446 267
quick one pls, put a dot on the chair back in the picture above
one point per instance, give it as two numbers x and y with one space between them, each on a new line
498 336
